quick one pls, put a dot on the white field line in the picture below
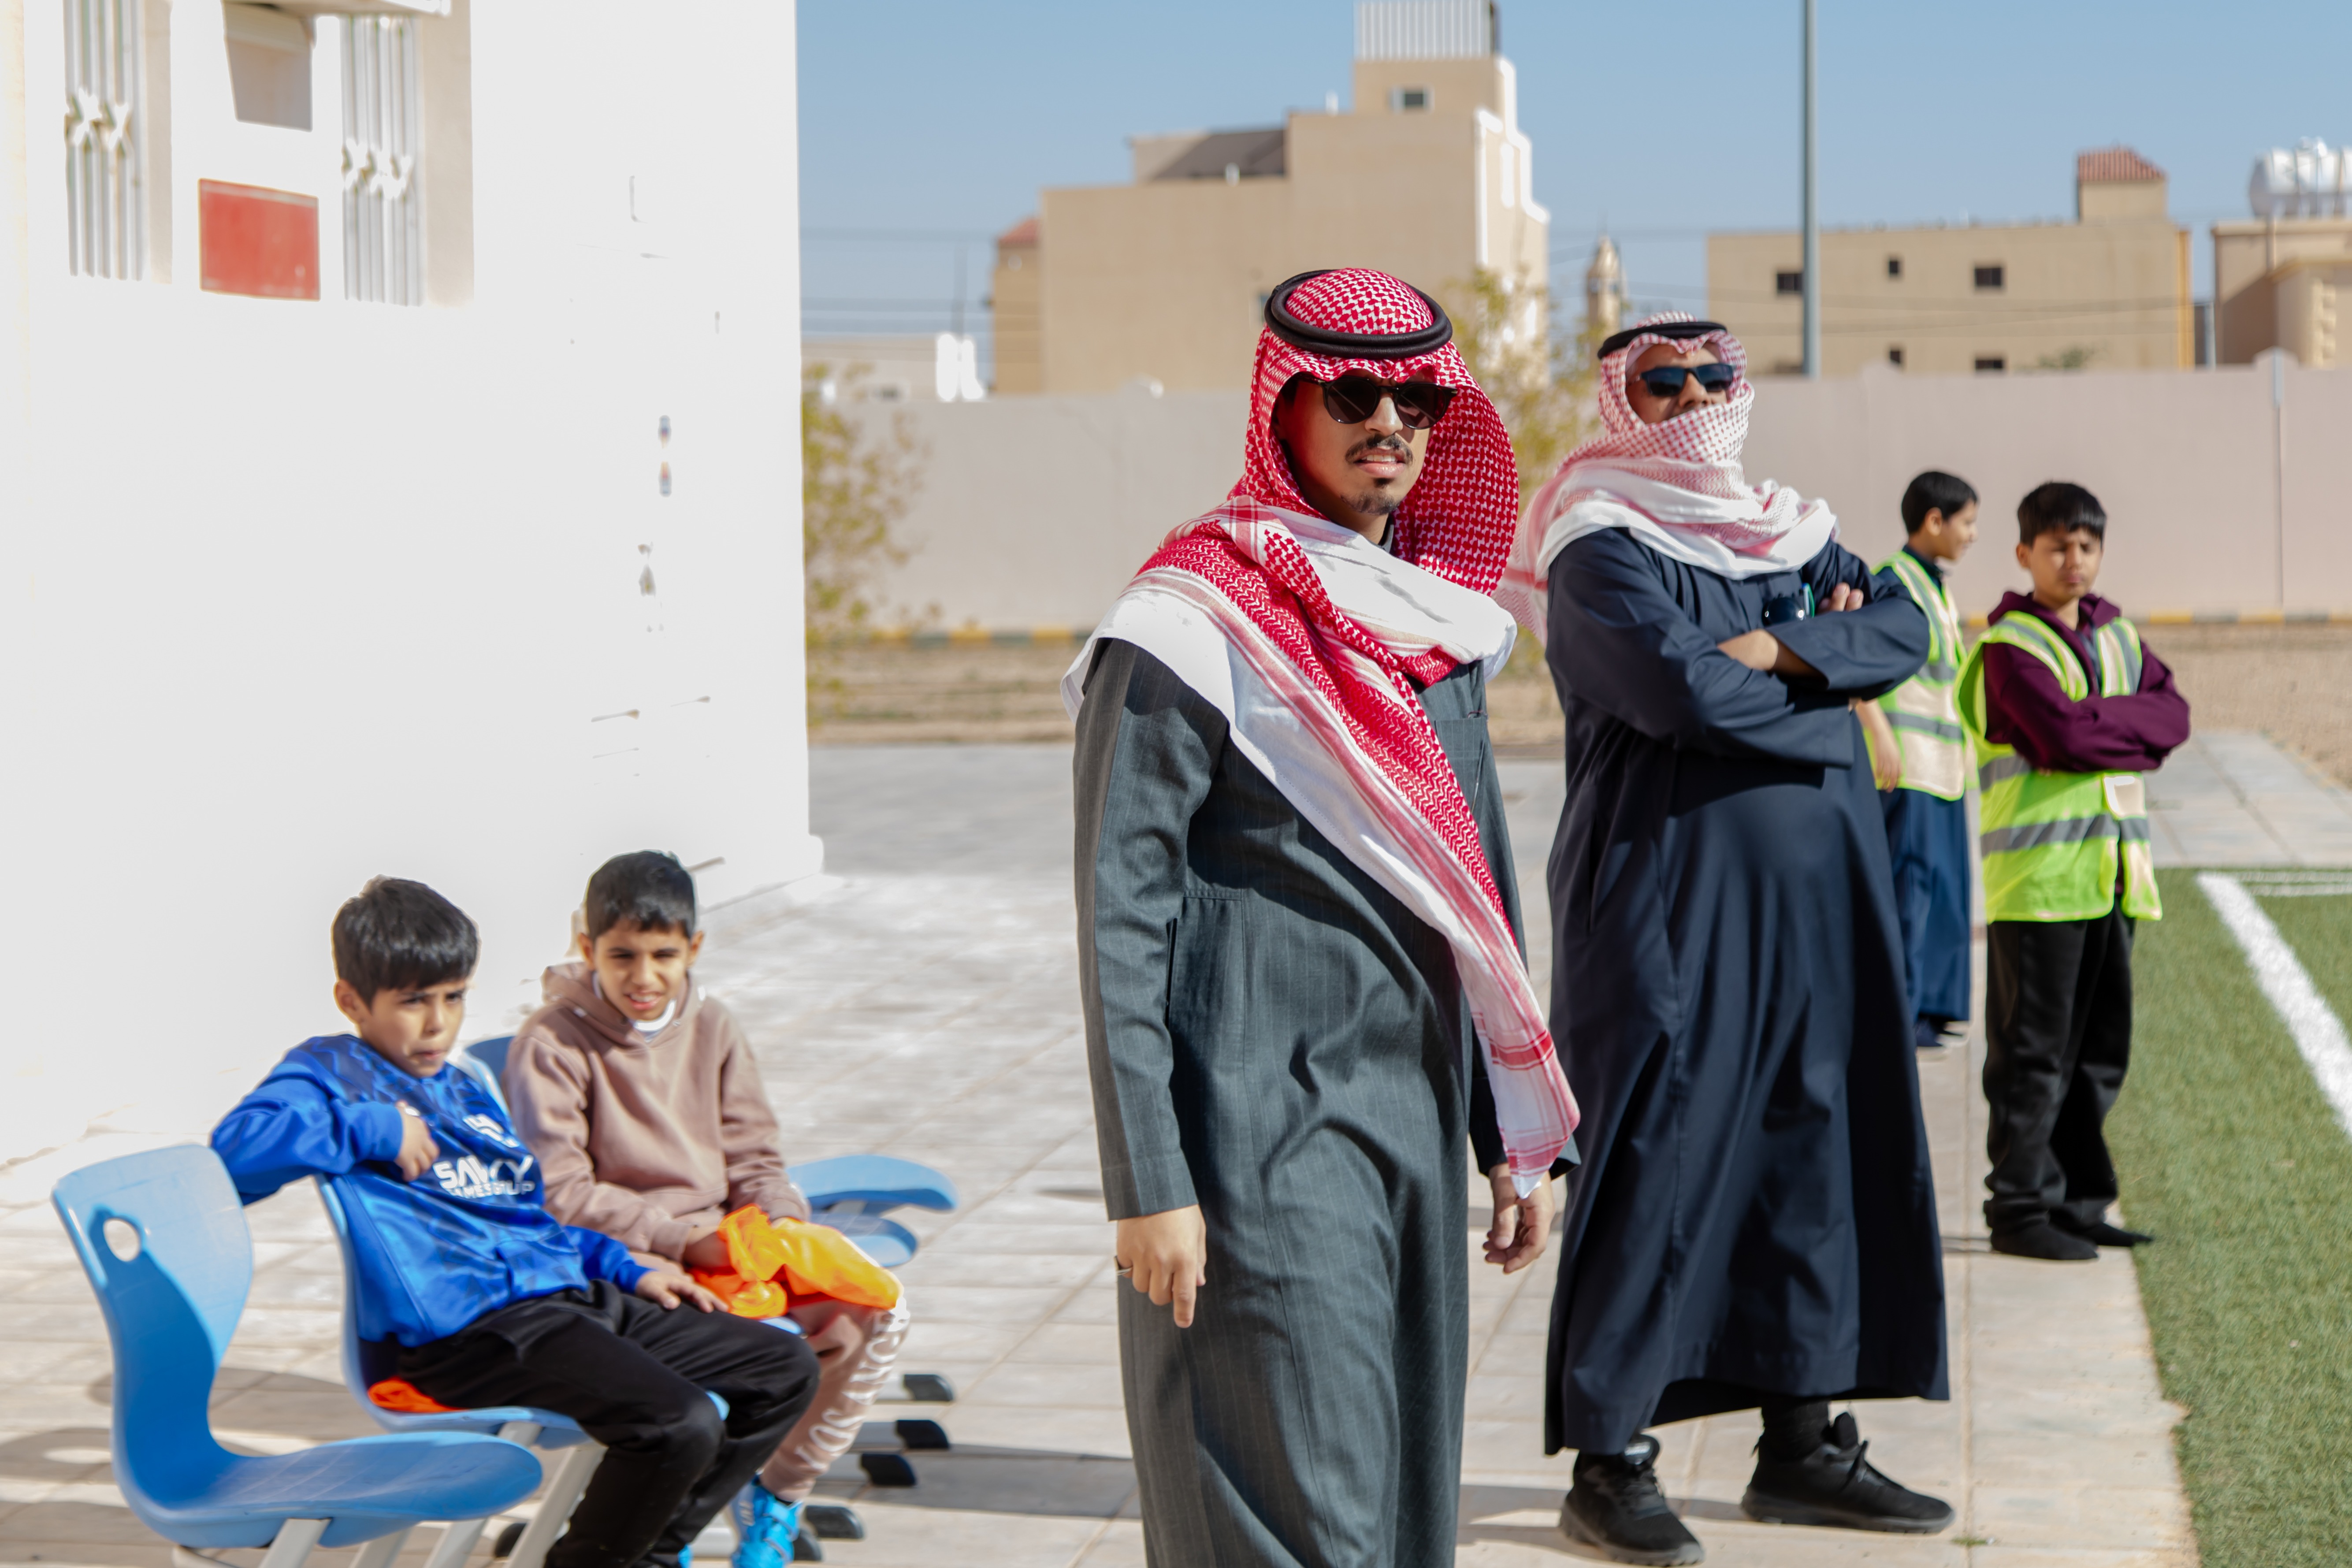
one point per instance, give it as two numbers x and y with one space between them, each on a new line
2318 1032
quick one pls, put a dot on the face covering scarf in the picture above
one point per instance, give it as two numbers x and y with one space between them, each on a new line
1677 487
1308 638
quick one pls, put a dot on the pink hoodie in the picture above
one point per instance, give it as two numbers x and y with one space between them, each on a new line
645 1139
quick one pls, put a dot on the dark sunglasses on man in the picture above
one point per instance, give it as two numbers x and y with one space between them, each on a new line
1352 400
1667 380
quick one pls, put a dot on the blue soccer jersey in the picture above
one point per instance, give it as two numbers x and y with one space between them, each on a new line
469 1236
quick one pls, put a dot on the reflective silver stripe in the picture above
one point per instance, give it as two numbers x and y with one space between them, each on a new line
2001 768
1939 674
1942 729
2136 830
2040 835
2128 646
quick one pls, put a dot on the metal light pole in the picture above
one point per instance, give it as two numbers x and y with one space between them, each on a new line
1813 263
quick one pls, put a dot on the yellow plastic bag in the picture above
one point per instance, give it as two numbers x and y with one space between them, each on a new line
820 1261
770 1263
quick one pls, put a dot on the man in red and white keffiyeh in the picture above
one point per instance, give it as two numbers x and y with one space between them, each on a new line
1754 1222
1298 932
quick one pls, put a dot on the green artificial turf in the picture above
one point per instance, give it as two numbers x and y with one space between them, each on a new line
2229 1152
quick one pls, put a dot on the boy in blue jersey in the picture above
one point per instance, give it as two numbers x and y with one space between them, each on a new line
490 1300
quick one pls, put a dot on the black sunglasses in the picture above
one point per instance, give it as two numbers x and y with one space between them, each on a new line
1351 399
1667 380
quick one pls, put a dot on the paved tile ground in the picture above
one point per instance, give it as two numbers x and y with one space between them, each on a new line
925 1004
2228 797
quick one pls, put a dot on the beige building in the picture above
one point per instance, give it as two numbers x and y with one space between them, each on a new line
1163 280
2288 303
2109 291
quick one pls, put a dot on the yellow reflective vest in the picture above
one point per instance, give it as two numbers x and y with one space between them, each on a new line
1923 711
2054 844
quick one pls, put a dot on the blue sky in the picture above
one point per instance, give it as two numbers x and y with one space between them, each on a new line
929 125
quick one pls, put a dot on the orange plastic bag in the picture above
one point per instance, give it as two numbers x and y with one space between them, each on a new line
399 1393
820 1261
771 1262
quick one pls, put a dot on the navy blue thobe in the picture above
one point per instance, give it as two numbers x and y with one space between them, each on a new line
1755 1214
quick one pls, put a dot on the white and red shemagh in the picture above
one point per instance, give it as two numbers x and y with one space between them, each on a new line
1678 487
1309 639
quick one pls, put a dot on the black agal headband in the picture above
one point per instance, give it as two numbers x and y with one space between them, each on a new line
1678 331
1322 341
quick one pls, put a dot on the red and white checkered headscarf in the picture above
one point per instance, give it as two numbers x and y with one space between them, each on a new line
1327 707
1678 485
1459 517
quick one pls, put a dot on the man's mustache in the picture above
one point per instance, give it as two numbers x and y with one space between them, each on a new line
1396 446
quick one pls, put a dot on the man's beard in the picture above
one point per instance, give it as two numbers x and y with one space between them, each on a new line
1379 502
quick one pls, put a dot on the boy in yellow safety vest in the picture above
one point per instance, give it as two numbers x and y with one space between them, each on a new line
1920 757
2066 709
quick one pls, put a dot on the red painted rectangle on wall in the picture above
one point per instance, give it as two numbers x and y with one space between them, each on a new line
258 241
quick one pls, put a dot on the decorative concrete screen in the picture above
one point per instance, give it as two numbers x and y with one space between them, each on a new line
103 123
382 236
1425 29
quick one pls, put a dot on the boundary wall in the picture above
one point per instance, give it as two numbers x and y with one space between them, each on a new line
1035 510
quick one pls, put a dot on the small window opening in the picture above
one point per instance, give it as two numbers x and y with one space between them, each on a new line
1787 282
1992 364
1894 267
1894 357
1990 278
1408 99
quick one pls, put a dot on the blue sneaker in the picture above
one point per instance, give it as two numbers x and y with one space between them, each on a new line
765 1528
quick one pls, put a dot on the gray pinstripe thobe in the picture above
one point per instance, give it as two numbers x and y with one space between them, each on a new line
1273 1035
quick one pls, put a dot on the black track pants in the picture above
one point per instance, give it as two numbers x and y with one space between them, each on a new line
633 1375
2058 1024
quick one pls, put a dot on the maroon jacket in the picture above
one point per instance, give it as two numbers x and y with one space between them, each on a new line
2026 708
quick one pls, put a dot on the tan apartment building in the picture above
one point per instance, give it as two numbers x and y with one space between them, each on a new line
2109 291
1163 280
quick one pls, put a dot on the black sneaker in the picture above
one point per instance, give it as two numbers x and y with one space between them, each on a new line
1837 1485
2099 1233
1616 1508
2044 1240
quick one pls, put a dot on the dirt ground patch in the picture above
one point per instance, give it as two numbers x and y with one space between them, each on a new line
2293 682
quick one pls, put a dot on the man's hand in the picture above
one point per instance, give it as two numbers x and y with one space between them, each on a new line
1886 750
707 1250
1522 1225
1760 650
667 1288
417 1150
1168 1253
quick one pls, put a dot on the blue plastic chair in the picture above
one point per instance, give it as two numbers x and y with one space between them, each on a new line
850 1193
368 1363
164 1240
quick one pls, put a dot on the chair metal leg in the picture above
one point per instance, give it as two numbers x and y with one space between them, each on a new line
458 1538
563 1495
294 1541
383 1550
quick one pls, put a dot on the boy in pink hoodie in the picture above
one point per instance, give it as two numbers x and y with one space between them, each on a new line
643 1103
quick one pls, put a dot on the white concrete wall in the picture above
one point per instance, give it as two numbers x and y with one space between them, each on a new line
297 594
1038 510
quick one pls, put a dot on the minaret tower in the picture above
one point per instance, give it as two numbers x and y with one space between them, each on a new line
1604 290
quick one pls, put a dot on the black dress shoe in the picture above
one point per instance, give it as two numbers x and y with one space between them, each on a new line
2099 1233
2044 1240
1616 1508
1837 1485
